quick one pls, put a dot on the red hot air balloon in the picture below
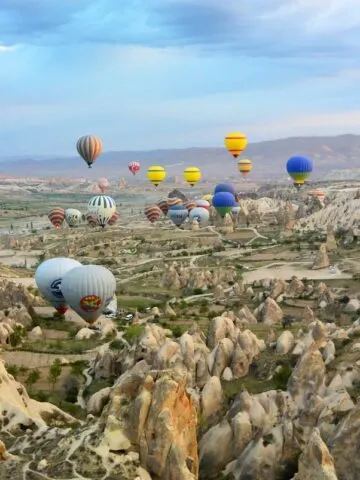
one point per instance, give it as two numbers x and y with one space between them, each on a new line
153 213
114 219
164 207
134 167
57 217
103 184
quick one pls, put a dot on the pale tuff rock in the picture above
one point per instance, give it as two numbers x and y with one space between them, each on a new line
220 327
195 225
220 357
219 292
319 334
245 316
295 288
85 333
321 259
330 239
211 397
169 311
308 314
240 363
315 462
270 313
35 333
277 287
285 343
97 401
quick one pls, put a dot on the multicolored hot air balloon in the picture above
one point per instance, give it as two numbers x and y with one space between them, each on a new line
174 201
224 187
203 203
103 184
164 206
115 217
208 197
89 148
189 205
88 290
153 213
48 278
156 174
73 217
299 168
134 167
245 166
101 208
178 214
192 175
224 202
200 214
57 217
236 143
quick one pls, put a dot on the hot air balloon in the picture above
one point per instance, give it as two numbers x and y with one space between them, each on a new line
156 174
208 197
192 175
48 278
134 167
244 166
235 211
164 206
89 148
101 208
318 193
88 290
153 213
73 217
201 214
57 217
299 168
103 184
236 143
224 187
203 203
223 202
178 214
114 218
189 205
174 201
91 221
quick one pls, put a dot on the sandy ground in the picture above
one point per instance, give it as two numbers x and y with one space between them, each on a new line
19 259
37 360
285 272
26 281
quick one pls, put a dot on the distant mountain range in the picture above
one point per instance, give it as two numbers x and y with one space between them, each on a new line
269 159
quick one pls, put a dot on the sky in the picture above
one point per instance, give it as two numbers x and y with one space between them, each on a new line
157 74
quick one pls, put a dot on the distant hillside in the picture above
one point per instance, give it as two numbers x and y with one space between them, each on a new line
269 158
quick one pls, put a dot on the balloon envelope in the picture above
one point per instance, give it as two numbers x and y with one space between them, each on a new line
134 167
48 278
101 208
57 217
203 203
224 187
73 217
235 142
299 168
178 214
156 174
192 175
89 148
88 290
223 202
153 213
244 166
200 214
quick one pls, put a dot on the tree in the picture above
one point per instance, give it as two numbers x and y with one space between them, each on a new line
71 388
32 378
17 335
54 372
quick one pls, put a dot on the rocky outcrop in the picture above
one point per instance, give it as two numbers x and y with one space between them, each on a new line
321 259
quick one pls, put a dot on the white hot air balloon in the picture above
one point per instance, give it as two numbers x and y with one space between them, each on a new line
88 290
200 214
48 278
73 217
101 208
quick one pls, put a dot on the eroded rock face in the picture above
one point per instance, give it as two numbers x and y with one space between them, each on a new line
321 259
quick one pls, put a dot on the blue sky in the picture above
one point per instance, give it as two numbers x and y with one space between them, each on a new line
175 73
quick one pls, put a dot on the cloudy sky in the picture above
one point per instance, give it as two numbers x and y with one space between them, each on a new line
175 73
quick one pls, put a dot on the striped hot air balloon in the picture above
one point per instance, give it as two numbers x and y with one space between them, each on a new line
244 166
89 148
152 213
190 206
192 175
57 217
156 174
235 142
102 208
203 203
174 201
134 167
164 206
178 214
114 218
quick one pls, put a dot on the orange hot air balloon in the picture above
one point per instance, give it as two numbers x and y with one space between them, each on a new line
174 201
103 184
114 218
89 148
153 213
57 217
190 205
236 143
244 166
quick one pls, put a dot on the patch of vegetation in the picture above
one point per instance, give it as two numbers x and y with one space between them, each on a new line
98 385
69 347
116 345
133 333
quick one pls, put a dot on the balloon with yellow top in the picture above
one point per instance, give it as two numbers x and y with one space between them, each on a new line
244 166
208 197
192 175
236 143
156 174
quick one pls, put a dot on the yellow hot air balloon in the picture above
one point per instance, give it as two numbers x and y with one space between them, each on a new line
156 174
192 175
244 166
235 142
208 197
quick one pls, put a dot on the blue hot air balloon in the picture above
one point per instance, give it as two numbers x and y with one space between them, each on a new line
178 214
299 168
224 202
224 187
